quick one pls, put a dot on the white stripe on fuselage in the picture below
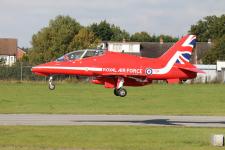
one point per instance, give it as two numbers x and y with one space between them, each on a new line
69 68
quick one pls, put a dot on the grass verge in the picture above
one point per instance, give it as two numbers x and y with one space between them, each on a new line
198 99
105 137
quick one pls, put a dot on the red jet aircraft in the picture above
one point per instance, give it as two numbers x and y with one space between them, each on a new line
116 70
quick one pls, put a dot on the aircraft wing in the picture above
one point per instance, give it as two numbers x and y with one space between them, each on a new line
122 74
130 80
196 70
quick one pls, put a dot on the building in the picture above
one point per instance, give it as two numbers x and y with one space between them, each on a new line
126 47
8 51
155 49
213 73
210 75
20 53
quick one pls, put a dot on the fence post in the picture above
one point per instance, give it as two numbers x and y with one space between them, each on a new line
21 71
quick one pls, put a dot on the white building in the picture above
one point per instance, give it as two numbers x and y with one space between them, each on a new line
7 60
126 47
210 74
213 73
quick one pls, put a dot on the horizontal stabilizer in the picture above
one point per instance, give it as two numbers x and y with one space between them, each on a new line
192 69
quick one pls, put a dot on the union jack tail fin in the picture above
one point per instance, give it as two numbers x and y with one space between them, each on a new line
181 51
180 54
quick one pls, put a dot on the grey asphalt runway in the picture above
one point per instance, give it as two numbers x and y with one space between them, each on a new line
111 120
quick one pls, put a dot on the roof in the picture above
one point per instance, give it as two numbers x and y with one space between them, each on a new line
206 67
155 49
202 48
111 42
21 50
8 46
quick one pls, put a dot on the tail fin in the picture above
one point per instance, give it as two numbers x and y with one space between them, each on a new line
179 54
183 49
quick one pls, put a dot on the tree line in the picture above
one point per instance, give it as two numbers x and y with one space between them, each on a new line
213 28
64 34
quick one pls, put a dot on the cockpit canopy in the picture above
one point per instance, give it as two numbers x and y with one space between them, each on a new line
80 54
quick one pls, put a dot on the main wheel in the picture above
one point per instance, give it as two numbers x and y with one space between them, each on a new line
51 86
122 92
116 92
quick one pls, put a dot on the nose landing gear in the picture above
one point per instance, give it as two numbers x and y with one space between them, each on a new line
51 85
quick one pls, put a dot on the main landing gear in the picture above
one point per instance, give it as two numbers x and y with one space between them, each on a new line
51 85
119 90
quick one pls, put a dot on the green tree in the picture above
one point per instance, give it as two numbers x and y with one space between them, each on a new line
53 41
84 39
216 53
167 38
118 34
102 30
140 37
108 32
210 27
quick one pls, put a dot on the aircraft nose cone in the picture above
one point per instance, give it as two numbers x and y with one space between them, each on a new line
35 69
38 70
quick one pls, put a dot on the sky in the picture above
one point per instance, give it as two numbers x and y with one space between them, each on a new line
22 18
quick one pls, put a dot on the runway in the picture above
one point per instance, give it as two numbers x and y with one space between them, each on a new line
111 120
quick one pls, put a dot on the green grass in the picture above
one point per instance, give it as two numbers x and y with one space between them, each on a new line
106 138
199 99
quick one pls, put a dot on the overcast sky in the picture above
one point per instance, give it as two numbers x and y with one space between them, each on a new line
22 18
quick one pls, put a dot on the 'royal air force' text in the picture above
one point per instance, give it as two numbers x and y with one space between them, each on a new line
123 70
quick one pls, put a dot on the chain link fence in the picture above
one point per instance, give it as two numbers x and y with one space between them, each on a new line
19 72
22 72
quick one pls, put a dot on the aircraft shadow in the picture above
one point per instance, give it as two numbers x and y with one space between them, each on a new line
164 122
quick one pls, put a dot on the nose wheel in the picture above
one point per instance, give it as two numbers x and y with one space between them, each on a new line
51 85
